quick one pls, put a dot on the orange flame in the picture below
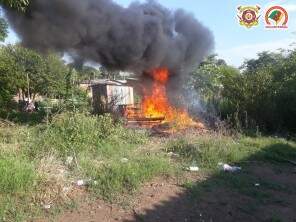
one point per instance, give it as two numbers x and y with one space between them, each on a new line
156 104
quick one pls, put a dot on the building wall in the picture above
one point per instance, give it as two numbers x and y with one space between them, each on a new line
107 98
120 95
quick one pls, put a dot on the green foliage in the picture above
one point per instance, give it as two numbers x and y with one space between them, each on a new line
207 79
210 80
208 151
89 73
261 94
98 145
109 74
30 68
117 178
8 77
27 72
24 117
56 72
17 175
72 133
3 29
15 4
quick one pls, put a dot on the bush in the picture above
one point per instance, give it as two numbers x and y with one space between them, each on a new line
72 133
261 94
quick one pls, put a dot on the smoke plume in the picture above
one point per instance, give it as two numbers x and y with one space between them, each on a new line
138 38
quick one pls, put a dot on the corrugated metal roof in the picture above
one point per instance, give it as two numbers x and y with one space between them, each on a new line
104 82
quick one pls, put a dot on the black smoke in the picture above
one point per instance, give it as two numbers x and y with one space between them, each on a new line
138 38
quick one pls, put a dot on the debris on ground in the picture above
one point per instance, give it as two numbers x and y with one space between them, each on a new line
193 168
124 160
80 183
88 182
173 155
46 206
228 168
69 160
257 184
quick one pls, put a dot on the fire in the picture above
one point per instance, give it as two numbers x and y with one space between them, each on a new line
155 103
155 108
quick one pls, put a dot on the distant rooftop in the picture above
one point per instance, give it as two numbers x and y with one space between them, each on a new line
107 82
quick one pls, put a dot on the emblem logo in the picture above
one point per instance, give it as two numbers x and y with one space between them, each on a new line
276 17
249 15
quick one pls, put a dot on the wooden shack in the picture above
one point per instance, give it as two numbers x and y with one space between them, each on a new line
111 95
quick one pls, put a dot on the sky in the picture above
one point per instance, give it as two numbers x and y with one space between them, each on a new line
233 43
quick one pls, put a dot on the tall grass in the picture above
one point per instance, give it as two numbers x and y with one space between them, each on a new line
97 145
207 151
17 175
17 180
104 152
70 134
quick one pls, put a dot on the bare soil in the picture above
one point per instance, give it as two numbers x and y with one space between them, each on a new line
165 200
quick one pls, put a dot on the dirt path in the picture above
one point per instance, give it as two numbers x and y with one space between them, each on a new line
165 201
150 197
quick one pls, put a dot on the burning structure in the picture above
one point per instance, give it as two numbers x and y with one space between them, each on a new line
155 107
159 45
111 96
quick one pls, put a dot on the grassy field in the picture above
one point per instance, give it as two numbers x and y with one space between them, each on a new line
40 165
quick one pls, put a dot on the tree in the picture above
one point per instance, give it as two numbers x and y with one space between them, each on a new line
207 80
15 4
3 29
262 93
8 77
34 73
88 73
20 5
56 72
109 74
265 60
31 69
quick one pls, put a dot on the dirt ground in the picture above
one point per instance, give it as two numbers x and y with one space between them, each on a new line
165 200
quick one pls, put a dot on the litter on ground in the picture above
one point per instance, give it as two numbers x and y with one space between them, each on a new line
193 168
228 168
